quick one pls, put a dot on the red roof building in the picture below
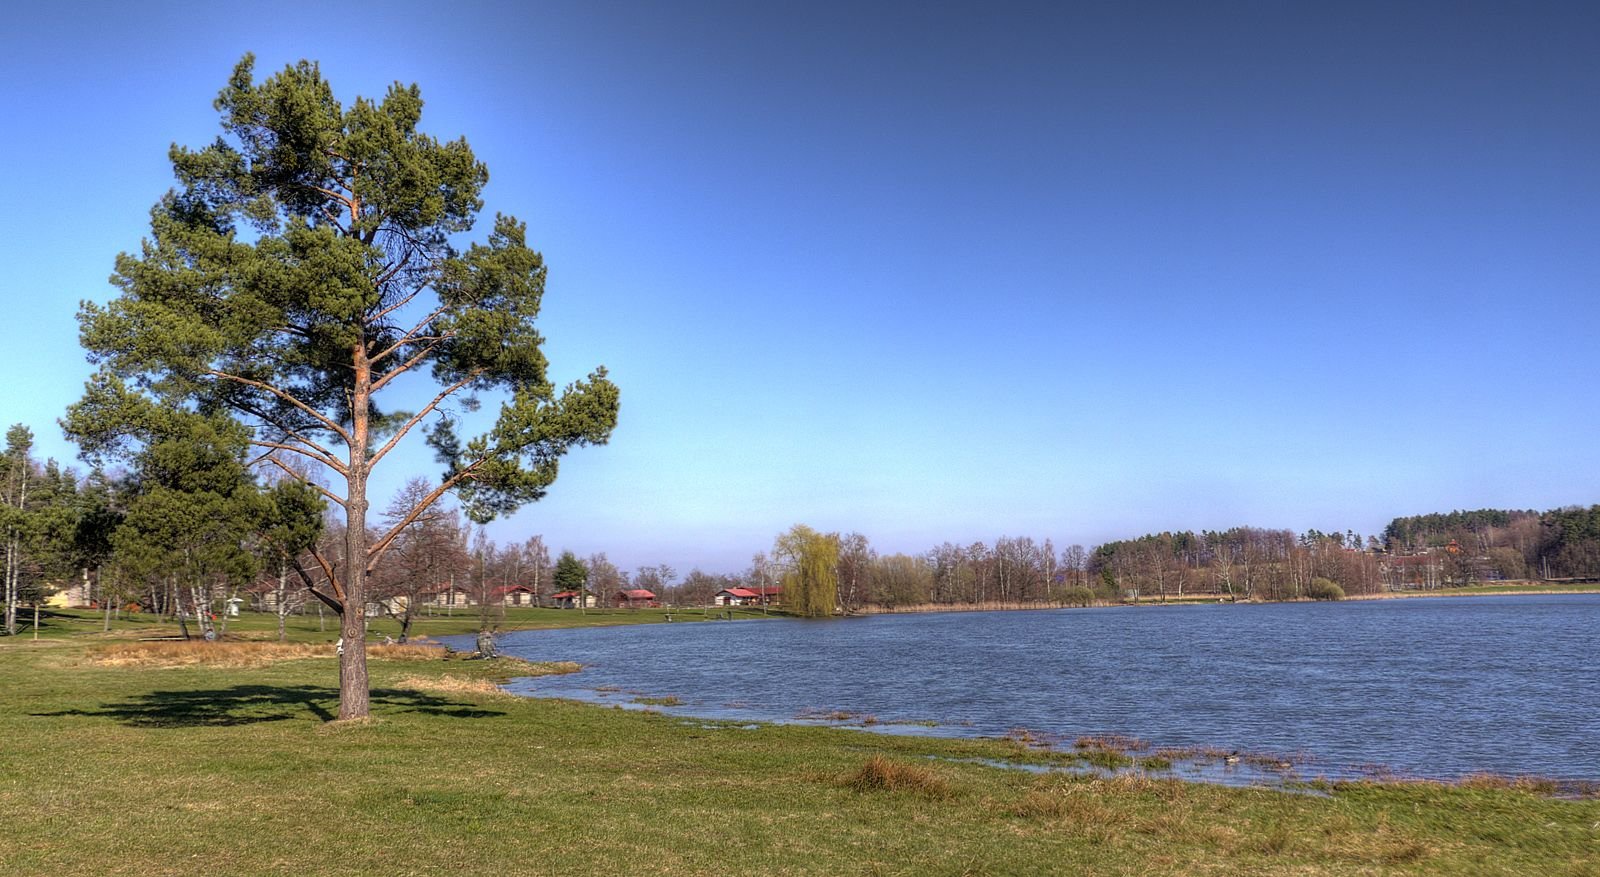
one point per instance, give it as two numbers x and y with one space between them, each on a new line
756 596
635 598
570 600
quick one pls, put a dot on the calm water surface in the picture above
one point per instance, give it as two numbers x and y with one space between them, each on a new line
1437 687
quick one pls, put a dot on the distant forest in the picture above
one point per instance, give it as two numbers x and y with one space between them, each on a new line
1245 563
1421 551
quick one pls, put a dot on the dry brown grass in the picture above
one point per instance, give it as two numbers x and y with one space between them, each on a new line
880 774
1530 784
190 653
407 652
455 686
1087 808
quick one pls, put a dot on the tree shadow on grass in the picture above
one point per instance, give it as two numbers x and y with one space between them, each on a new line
252 704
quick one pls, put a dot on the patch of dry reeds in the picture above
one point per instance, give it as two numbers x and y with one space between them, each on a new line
454 685
405 652
193 653
880 774
1530 784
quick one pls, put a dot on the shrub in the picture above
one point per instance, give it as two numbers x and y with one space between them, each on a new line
1324 589
1078 596
882 774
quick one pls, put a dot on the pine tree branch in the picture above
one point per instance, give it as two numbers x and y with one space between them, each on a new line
377 549
335 498
411 337
390 275
326 456
417 418
338 430
346 200
336 605
330 462
327 572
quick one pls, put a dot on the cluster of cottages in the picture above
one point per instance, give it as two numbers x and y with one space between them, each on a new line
522 595
265 598
760 596
447 596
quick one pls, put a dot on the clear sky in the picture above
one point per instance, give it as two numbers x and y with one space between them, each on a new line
933 271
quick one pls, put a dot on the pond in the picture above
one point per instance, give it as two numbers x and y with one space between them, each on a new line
1440 687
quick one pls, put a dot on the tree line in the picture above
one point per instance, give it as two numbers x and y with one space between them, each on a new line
190 528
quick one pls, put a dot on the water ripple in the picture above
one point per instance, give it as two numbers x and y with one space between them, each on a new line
1441 688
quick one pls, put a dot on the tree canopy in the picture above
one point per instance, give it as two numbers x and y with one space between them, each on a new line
304 263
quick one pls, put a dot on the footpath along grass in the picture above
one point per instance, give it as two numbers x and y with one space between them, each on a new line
122 758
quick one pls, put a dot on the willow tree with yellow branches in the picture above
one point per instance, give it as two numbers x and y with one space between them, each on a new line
811 571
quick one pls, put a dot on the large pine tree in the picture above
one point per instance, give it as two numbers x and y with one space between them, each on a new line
299 270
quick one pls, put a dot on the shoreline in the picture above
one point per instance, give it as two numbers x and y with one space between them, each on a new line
1204 600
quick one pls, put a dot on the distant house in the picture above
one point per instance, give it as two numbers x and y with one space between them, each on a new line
634 598
448 595
514 595
75 596
758 596
395 605
569 600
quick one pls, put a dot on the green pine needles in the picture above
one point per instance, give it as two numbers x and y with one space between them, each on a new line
302 266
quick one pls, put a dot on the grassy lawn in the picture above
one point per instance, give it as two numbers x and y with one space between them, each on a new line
127 757
1527 588
1509 587
57 623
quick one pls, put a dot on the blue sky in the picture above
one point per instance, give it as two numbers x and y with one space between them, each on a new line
937 272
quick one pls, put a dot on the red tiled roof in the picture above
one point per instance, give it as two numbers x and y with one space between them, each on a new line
639 594
739 592
563 595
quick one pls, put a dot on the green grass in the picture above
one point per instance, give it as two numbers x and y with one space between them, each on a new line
57 623
1526 588
148 769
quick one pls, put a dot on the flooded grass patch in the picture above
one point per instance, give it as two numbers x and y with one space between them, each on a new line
1112 743
842 717
668 700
